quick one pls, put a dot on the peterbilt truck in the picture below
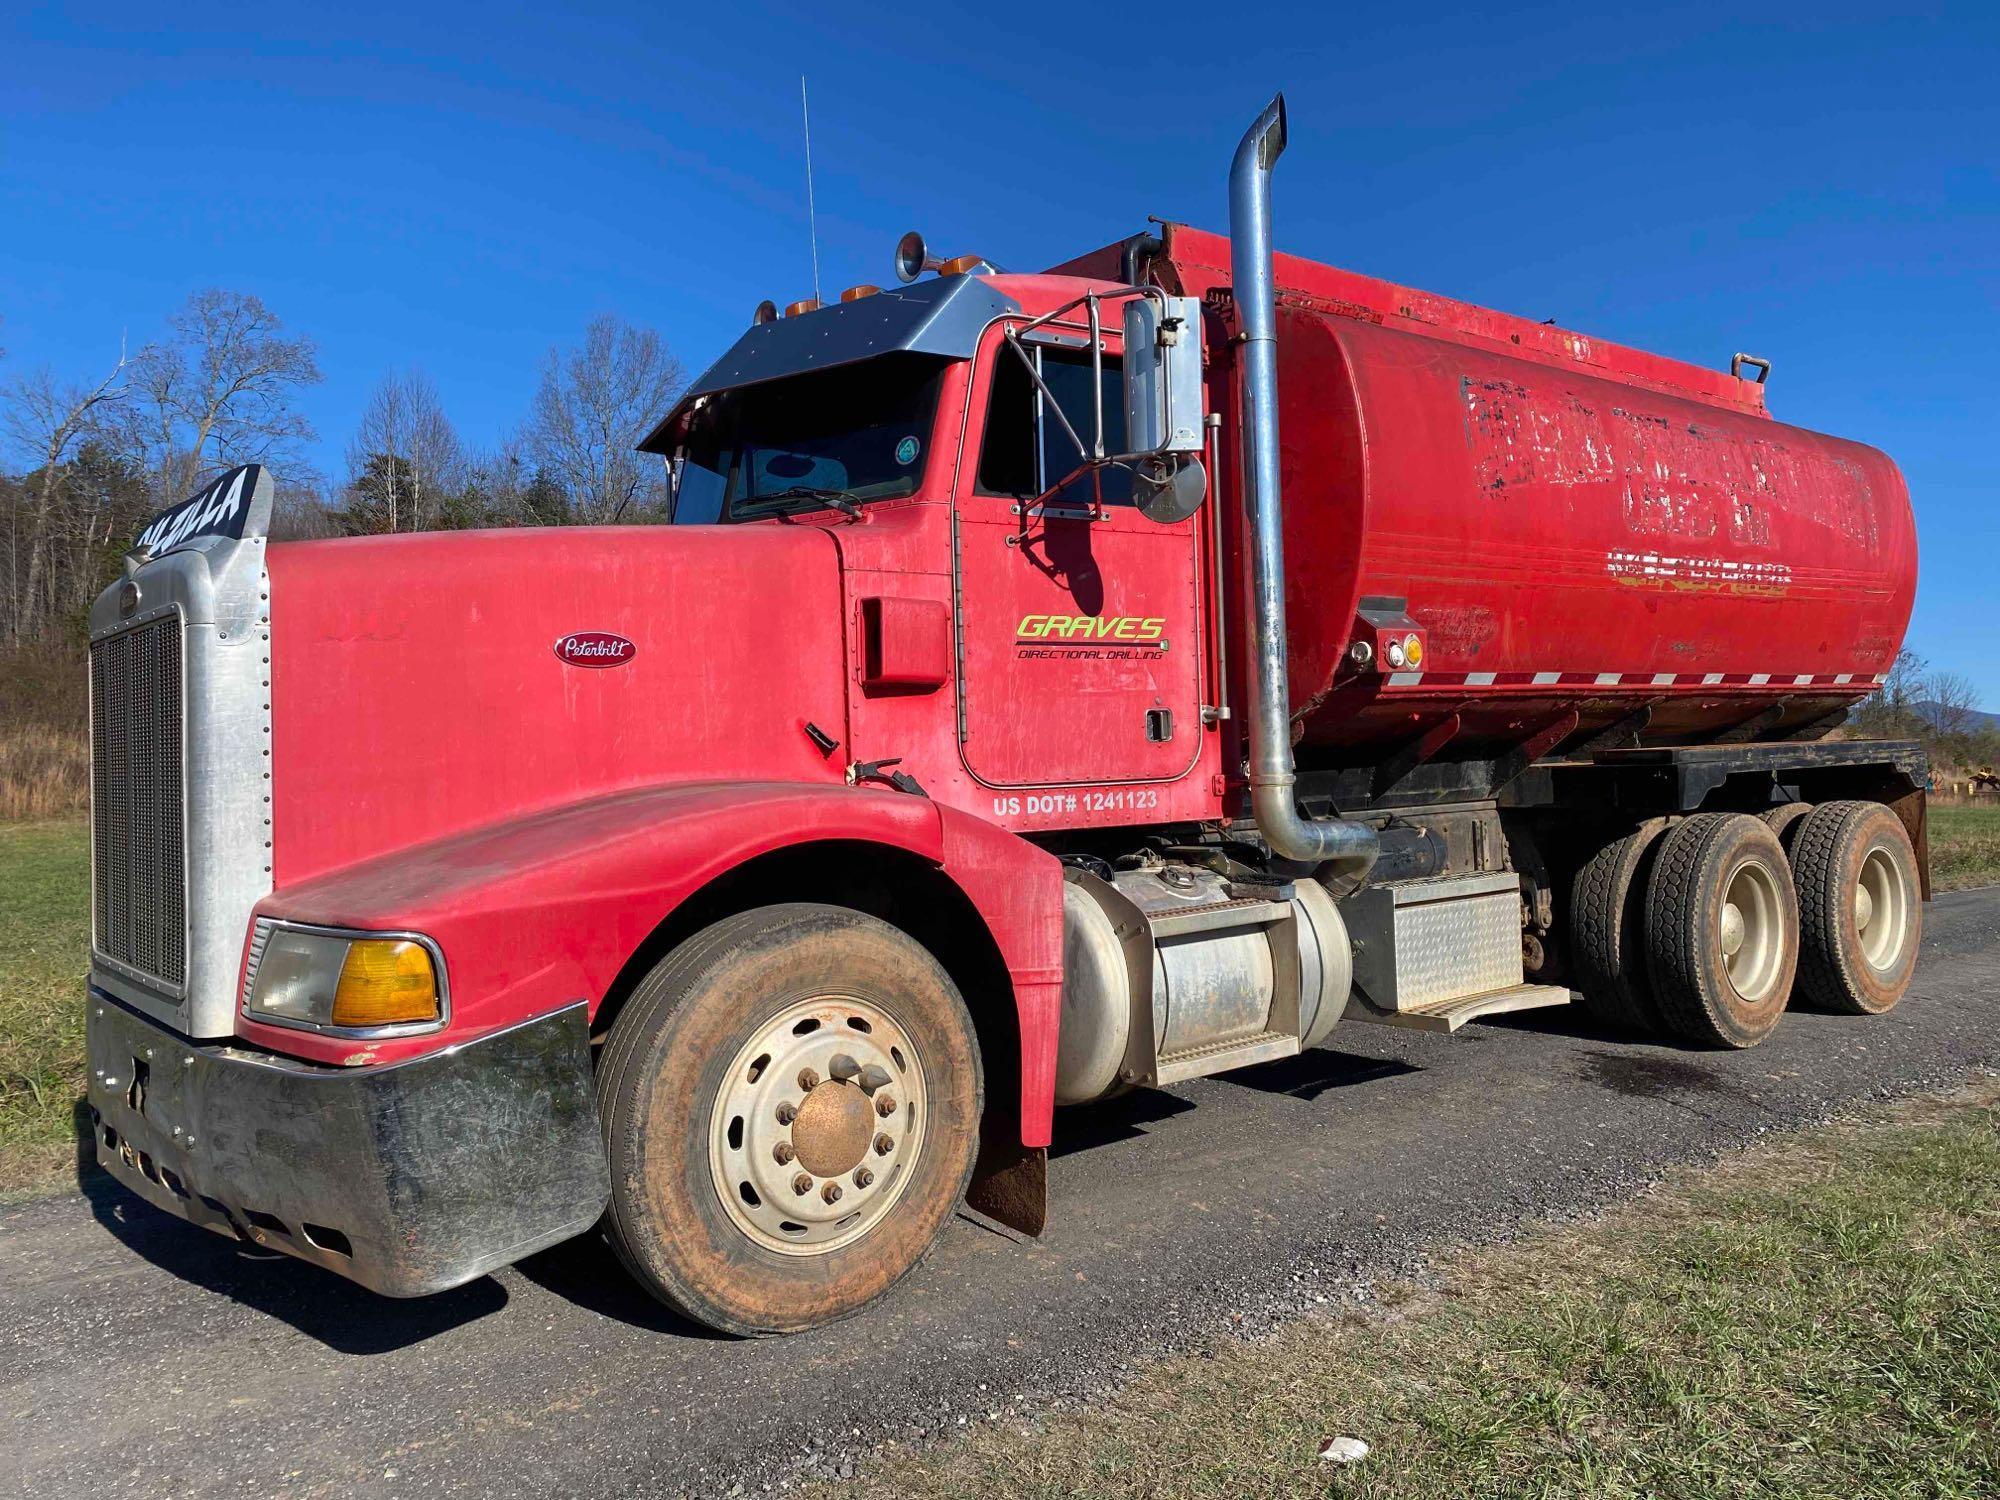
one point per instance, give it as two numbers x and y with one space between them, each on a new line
1050 685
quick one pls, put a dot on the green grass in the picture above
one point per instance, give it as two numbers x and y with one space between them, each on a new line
1819 1318
1965 845
44 954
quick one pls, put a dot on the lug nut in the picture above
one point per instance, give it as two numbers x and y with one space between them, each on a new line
843 1067
802 1184
831 1192
884 1105
787 1113
884 1145
862 1177
783 1151
808 1080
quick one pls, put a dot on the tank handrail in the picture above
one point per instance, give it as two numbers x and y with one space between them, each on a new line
1349 846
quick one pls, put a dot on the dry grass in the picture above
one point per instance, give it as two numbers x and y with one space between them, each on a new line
1817 1318
44 773
1965 844
44 744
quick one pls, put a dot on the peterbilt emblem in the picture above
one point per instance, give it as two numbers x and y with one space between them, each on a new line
595 648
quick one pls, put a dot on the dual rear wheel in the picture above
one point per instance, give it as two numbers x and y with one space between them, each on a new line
1706 927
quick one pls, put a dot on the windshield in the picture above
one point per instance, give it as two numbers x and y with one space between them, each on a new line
829 438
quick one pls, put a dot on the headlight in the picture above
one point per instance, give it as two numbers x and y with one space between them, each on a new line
309 976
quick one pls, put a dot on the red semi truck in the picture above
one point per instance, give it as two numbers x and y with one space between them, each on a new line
1050 685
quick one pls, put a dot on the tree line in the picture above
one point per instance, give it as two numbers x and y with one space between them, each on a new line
89 457
1941 709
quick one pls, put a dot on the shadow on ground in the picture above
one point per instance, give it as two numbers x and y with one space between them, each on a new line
339 1314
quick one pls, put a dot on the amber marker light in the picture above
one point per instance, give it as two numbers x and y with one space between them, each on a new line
385 982
802 306
856 293
1413 650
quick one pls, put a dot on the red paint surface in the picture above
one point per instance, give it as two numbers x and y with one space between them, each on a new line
1550 503
1545 502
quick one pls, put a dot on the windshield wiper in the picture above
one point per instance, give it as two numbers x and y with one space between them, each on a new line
841 500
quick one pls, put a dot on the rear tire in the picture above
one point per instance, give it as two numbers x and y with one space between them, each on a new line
1783 820
791 1104
1722 930
1861 912
1607 930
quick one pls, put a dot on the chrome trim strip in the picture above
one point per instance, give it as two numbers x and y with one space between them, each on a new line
223 591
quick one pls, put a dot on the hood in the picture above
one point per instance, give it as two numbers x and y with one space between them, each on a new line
424 685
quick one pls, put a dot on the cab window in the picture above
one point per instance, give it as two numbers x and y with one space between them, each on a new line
1025 450
835 437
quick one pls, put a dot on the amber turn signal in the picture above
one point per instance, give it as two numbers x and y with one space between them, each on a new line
385 982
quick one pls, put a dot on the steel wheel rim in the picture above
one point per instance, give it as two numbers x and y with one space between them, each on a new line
1752 931
1881 911
818 1124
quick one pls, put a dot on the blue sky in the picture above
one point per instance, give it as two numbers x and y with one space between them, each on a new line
457 187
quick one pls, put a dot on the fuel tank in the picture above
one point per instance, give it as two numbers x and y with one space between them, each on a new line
1571 526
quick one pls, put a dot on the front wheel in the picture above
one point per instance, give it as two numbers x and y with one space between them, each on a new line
791 1105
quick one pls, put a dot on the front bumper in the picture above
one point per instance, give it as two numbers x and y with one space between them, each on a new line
408 1177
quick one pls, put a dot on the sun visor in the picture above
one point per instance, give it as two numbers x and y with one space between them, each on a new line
941 316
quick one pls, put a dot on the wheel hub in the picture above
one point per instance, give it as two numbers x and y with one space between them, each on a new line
1883 900
1752 935
818 1124
1732 928
834 1126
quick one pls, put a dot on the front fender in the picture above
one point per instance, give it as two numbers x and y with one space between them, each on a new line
542 911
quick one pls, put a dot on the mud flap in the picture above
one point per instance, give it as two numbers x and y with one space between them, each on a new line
1010 1184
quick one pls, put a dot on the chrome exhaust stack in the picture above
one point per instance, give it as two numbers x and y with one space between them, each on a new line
1351 847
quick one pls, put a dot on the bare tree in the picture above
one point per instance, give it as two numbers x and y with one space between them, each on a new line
47 418
1950 703
219 391
405 457
301 510
595 403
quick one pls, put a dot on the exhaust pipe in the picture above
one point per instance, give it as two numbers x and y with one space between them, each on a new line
1349 846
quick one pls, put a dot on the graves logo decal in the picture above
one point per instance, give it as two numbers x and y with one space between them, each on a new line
1088 637
595 648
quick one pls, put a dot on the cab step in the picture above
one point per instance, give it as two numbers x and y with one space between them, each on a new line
1449 1015
1215 1057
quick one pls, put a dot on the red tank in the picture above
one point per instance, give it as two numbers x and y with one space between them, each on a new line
1575 526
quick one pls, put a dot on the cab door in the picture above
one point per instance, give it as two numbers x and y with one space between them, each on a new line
1081 659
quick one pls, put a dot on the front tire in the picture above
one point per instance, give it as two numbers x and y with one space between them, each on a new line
791 1104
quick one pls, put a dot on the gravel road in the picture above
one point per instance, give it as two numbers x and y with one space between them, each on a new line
140 1356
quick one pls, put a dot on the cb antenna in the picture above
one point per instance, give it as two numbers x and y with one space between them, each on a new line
812 217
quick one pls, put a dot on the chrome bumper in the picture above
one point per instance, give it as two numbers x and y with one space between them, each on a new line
408 1177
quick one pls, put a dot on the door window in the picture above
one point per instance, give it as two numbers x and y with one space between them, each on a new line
1025 449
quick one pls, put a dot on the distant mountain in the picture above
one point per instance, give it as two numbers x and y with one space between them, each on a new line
1975 718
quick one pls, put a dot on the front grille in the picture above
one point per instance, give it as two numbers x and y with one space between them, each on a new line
137 829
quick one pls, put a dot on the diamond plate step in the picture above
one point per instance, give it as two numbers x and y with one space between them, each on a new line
1449 1015
1198 1062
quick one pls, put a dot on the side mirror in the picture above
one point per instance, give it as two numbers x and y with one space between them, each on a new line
1163 405
1163 375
